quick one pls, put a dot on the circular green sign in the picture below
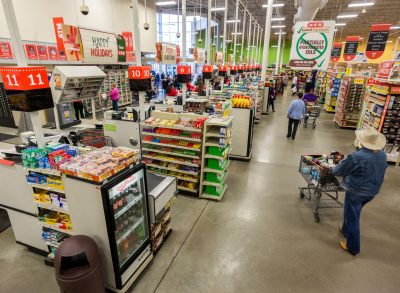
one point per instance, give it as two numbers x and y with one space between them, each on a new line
321 53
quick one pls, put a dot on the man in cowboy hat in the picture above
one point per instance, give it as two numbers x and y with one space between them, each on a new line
363 172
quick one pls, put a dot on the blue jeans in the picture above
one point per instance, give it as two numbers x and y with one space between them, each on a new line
115 105
353 205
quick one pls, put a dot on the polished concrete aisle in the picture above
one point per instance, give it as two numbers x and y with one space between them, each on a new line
261 237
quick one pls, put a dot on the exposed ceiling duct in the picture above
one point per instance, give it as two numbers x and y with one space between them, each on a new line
307 9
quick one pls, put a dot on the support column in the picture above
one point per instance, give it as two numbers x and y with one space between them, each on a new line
278 52
254 43
184 88
395 48
248 41
208 40
267 36
136 32
282 52
243 34
224 35
235 36
258 44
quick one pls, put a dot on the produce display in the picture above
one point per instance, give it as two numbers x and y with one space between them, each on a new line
241 101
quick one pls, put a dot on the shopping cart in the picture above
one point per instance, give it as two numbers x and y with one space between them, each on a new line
323 187
94 138
312 115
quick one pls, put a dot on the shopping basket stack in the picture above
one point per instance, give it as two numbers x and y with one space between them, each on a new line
323 186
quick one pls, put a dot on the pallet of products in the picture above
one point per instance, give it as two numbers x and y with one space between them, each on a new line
171 145
349 102
160 231
332 92
381 110
216 149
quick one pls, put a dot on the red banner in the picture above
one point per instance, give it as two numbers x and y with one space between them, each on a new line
53 52
208 68
58 25
222 68
350 48
24 78
139 72
31 52
336 52
184 69
384 69
377 39
128 46
234 68
42 52
5 50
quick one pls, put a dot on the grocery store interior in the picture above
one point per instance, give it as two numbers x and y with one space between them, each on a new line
194 146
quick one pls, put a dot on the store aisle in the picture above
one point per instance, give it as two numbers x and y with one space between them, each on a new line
263 238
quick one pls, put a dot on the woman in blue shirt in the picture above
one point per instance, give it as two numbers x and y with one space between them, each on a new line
363 172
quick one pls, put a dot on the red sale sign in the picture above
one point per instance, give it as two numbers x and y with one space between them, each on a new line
58 30
234 68
139 72
24 78
53 54
31 52
184 69
42 52
384 69
222 68
208 68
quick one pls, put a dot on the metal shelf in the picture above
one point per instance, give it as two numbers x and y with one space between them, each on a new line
170 161
170 153
45 171
209 170
177 177
171 145
171 136
44 225
172 127
46 187
49 206
126 234
214 197
186 189
173 169
131 204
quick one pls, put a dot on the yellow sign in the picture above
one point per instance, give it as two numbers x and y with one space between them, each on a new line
359 81
348 71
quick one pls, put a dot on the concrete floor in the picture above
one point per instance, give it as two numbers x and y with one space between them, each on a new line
261 237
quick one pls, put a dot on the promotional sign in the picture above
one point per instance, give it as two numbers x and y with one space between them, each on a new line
58 23
199 55
385 68
377 39
42 52
218 58
350 48
5 50
72 43
207 71
166 53
240 69
53 54
24 78
233 70
311 44
121 48
222 70
178 54
336 51
31 52
184 73
99 47
129 48
139 78
359 80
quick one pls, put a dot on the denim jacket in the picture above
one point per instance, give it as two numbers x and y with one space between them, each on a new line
363 172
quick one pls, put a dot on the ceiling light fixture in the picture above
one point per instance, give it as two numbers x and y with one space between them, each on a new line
389 42
217 8
283 33
233 20
362 4
395 27
236 33
277 19
361 38
278 26
347 16
340 24
274 5
165 3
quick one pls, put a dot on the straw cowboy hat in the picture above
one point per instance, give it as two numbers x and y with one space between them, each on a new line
371 139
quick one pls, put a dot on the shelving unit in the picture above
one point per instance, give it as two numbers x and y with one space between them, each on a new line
174 149
349 103
215 156
332 92
381 110
321 85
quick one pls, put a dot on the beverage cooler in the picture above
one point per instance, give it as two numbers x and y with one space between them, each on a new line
115 214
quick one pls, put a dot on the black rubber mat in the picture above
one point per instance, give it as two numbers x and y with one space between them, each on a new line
4 220
4 137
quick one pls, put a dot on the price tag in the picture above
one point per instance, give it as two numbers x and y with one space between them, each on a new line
207 68
139 72
222 68
395 90
359 81
24 78
184 69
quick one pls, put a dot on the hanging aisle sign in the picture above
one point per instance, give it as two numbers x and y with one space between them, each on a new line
139 78
336 51
58 23
99 47
311 44
121 48
207 71
166 53
199 55
218 58
184 73
350 48
377 39
72 43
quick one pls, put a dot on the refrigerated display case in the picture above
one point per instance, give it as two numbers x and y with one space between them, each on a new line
115 214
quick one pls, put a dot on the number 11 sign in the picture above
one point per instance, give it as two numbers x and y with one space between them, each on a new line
24 78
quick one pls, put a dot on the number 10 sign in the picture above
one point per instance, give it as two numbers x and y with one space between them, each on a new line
24 78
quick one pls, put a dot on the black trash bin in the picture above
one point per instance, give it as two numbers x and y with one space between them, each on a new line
78 266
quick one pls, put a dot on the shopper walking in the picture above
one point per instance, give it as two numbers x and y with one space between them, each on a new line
294 84
296 111
363 172
271 98
114 96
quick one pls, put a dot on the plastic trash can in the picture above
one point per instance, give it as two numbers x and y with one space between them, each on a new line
78 266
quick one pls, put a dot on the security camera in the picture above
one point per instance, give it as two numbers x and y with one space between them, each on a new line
84 9
200 41
178 35
146 26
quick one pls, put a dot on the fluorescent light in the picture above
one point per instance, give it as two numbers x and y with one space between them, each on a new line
277 19
361 38
219 36
340 24
335 30
195 33
278 26
236 33
343 42
389 42
361 4
217 8
395 27
233 20
283 33
347 15
274 5
274 46
165 3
